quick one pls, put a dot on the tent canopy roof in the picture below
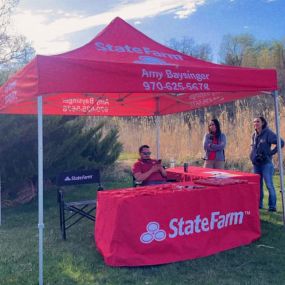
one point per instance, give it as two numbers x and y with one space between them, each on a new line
122 72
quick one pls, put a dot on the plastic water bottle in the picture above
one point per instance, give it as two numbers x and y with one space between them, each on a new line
172 163
185 167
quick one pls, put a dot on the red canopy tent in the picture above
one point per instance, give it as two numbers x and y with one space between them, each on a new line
122 72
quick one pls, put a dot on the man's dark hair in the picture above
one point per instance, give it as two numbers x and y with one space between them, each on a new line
143 146
264 122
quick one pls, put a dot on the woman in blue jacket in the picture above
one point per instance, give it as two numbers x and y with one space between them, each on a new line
261 158
214 145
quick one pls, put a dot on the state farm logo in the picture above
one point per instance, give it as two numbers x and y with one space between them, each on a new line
146 54
153 233
150 60
179 227
77 178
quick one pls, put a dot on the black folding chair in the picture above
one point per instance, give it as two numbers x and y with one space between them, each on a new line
71 212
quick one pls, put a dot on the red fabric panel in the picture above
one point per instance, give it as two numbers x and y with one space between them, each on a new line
58 74
168 223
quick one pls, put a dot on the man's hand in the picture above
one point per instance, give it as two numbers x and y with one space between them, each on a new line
159 168
156 168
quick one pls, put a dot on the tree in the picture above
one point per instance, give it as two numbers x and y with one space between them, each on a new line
234 48
249 58
238 50
278 53
17 153
15 50
189 47
68 145
71 145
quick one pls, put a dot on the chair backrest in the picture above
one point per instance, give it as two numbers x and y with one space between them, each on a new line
77 177
71 212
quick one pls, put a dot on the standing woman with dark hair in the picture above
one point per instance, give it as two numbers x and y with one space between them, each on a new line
214 145
261 158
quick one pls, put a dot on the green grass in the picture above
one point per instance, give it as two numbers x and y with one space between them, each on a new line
76 261
128 156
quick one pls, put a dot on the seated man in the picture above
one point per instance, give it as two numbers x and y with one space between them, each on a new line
148 171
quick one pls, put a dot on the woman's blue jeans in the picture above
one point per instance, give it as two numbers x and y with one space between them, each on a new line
266 172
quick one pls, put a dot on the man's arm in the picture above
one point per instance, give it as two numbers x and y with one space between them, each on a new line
139 176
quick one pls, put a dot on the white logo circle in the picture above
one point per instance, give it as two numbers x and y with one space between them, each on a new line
152 227
153 233
160 235
146 238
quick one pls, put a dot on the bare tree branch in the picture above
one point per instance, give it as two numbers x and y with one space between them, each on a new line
14 49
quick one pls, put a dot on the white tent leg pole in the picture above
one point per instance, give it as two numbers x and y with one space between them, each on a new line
40 186
280 159
157 121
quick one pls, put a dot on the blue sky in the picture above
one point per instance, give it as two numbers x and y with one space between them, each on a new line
55 26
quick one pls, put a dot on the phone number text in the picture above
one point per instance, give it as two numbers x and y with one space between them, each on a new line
175 86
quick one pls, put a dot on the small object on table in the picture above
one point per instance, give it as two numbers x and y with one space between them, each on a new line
185 167
215 181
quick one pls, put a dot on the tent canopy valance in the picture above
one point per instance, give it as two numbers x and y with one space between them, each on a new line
122 72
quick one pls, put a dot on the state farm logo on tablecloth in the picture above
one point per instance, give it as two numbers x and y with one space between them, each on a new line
185 227
153 232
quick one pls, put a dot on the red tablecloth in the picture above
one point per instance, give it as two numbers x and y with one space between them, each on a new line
167 223
195 173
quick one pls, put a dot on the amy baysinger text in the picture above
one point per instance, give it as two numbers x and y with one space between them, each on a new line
169 74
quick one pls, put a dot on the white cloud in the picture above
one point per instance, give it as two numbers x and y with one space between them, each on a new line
47 29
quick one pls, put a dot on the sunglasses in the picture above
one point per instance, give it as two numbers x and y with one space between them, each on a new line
146 152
